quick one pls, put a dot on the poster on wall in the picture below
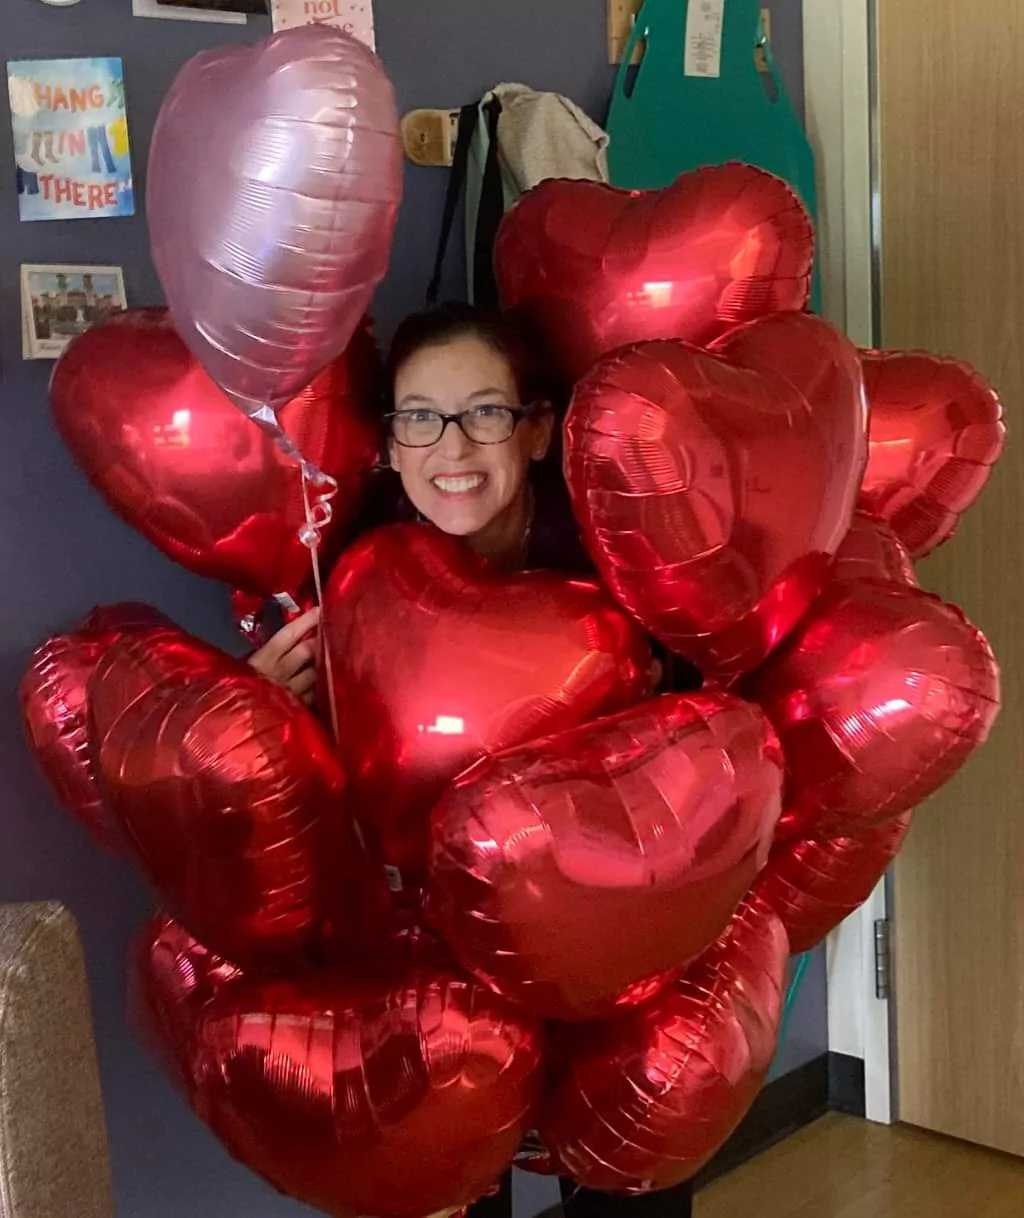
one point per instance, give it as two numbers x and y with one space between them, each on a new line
353 16
60 302
71 150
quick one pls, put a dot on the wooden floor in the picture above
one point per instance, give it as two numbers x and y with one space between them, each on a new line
844 1168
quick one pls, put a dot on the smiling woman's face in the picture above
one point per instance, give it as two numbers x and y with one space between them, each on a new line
466 489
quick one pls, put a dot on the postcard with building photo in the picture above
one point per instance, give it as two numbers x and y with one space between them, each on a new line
60 302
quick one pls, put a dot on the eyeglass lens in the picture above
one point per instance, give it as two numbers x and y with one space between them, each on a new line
482 425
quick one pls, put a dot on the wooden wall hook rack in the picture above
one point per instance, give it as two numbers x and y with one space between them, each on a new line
429 136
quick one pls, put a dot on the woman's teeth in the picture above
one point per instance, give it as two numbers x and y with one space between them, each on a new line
459 486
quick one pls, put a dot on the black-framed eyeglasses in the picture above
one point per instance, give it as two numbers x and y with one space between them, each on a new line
422 428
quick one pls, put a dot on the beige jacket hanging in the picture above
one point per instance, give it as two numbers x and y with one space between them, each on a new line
540 136
545 135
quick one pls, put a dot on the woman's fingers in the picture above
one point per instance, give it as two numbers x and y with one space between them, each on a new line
304 685
294 633
301 656
290 652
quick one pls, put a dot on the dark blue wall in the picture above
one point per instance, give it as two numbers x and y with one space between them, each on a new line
61 551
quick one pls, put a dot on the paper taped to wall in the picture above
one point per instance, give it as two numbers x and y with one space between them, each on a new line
353 16
704 21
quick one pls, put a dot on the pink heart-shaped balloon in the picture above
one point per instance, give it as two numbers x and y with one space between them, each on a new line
438 660
714 487
936 432
569 871
594 268
292 145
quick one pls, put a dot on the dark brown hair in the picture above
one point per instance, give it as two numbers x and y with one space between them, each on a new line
436 327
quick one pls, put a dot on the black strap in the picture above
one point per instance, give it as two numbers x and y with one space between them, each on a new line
492 206
492 209
468 117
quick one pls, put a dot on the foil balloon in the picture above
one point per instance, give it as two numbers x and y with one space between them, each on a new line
936 432
581 872
642 1102
292 144
396 1097
171 979
438 660
873 551
879 698
815 885
230 798
52 695
594 268
173 458
714 488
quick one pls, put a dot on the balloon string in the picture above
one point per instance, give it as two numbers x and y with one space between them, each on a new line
319 514
319 511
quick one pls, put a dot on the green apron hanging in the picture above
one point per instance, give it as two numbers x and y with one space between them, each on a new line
699 97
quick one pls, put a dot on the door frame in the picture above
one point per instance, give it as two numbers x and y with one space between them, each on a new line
841 103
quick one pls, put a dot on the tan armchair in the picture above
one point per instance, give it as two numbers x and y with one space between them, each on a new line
53 1139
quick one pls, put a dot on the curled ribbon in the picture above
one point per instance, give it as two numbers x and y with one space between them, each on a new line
319 490
318 493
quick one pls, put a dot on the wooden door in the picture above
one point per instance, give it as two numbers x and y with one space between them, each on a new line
951 77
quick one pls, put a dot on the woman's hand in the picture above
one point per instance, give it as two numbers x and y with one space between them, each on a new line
289 659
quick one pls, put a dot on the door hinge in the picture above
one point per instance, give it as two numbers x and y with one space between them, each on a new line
883 960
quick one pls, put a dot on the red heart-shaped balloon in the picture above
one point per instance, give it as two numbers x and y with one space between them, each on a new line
568 872
230 796
714 487
595 268
645 1100
394 1096
879 698
171 979
52 694
815 885
936 432
175 459
438 660
872 550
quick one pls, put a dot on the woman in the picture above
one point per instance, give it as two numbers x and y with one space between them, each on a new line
471 435
514 511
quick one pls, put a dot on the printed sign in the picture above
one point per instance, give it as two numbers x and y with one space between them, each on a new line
353 16
71 150
704 21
